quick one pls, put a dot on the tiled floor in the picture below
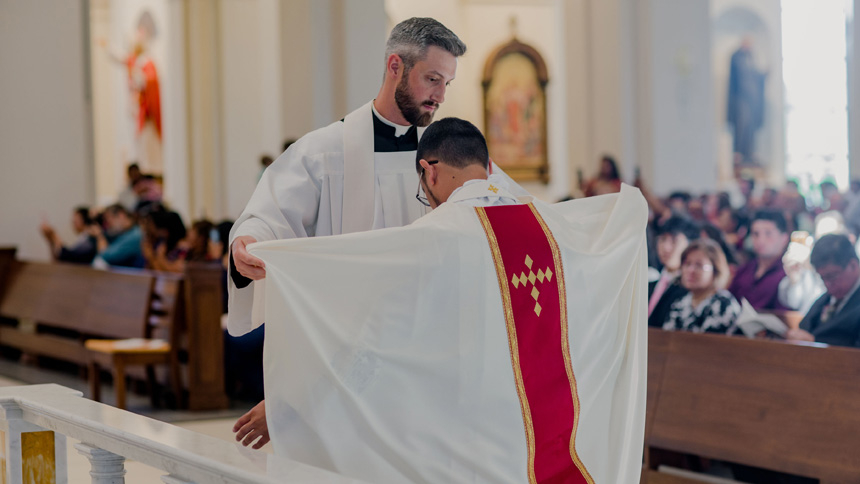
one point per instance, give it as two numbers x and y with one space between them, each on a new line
216 424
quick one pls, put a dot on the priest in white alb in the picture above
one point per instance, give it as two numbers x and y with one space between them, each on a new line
496 339
354 175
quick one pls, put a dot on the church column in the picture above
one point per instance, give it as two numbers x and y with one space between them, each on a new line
174 112
271 82
250 91
578 106
296 60
205 164
108 175
365 30
677 135
347 45
600 47
854 95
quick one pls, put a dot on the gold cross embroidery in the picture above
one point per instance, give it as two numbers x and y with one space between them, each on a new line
493 189
524 280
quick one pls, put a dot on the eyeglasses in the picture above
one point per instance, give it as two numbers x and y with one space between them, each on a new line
418 196
697 266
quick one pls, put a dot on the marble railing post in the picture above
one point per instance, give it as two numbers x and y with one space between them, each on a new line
29 453
105 467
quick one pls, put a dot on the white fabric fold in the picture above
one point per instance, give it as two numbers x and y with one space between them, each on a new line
386 353
358 170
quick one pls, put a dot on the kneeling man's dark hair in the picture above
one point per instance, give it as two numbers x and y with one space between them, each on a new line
454 142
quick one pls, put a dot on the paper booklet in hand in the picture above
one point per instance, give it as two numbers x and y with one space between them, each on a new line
752 322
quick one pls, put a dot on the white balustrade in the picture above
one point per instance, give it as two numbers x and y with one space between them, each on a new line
35 421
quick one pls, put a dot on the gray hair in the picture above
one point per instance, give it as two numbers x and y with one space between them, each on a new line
411 38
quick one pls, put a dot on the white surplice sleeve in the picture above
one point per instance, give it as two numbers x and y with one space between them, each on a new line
287 204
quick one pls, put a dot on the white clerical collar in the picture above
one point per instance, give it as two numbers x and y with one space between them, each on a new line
399 130
494 187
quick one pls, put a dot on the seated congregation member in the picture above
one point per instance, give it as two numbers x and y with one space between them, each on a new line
711 231
128 197
673 237
757 281
83 250
202 242
835 317
734 224
149 193
707 307
162 246
679 203
119 244
411 378
168 254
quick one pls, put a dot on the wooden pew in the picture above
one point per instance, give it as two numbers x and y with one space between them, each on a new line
7 257
187 315
779 406
85 303
82 301
203 342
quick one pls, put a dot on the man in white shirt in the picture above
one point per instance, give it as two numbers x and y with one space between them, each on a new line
353 175
496 339
312 190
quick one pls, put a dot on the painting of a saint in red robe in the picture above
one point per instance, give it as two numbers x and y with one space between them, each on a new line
145 95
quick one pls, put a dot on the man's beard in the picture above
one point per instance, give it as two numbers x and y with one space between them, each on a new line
410 109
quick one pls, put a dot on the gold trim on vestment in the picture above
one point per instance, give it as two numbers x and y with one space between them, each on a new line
512 339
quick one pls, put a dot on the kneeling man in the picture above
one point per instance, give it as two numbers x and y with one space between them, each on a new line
495 339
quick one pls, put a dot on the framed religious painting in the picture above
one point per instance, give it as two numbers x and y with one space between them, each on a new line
515 121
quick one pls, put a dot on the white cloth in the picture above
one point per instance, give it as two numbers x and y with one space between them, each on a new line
386 352
302 195
491 192
800 296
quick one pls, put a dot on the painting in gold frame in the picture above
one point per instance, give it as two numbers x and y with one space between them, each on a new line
514 81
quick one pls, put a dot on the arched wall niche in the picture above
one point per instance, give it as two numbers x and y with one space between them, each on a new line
761 21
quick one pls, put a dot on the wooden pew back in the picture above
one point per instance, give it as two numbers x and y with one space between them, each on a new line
204 338
7 259
183 309
97 303
791 408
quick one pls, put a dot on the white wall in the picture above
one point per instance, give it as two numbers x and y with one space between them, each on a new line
45 153
681 96
365 31
243 94
288 68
